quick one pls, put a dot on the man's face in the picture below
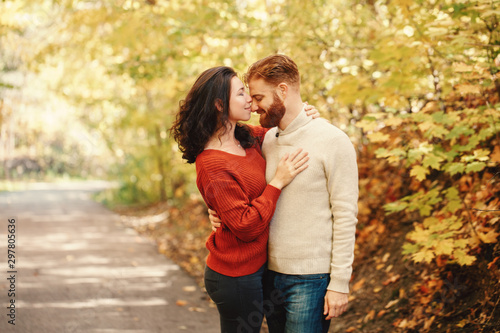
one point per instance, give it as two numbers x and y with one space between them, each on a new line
266 102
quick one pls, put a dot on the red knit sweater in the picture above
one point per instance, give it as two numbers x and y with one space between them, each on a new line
235 187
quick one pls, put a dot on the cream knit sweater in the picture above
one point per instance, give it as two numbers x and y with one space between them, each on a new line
313 227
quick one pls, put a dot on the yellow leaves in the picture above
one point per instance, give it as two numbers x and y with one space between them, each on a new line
372 122
419 235
432 161
463 258
430 107
445 246
393 121
490 237
470 73
454 201
454 168
437 237
367 124
423 256
437 32
461 67
466 89
419 172
376 121
378 137
424 126
478 155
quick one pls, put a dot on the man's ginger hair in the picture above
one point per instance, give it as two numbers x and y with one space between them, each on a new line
275 69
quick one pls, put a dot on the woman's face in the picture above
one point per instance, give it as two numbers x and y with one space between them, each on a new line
240 102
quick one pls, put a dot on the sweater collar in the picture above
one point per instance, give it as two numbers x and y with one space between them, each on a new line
299 121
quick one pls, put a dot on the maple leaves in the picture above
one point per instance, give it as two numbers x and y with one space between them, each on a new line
449 171
436 238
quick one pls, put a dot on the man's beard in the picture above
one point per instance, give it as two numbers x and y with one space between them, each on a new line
274 113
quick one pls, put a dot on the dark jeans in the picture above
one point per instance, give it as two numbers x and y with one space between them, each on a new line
238 299
294 303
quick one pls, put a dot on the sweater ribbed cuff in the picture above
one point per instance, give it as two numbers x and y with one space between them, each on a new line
339 285
272 192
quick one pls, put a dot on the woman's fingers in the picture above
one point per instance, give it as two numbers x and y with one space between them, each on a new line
296 161
298 156
294 155
301 168
301 162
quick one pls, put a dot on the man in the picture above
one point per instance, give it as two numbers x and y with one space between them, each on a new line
312 233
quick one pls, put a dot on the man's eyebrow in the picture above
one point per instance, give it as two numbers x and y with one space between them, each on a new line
257 95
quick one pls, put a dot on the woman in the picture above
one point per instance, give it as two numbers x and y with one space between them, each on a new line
231 179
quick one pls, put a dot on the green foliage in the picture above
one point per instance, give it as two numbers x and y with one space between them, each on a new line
439 162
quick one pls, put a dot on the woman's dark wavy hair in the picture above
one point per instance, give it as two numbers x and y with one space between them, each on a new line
199 119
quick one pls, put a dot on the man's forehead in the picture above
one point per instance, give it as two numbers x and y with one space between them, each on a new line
259 87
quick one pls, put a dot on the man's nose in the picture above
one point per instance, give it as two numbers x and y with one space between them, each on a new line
255 107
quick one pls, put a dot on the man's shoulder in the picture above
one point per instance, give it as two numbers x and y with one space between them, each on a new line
322 128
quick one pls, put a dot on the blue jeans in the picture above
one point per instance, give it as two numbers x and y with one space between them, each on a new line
239 300
294 303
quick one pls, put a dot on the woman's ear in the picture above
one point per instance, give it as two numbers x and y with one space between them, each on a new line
219 105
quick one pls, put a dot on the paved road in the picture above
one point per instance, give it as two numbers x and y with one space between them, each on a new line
78 269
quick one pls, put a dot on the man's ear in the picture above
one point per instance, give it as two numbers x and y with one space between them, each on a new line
282 90
219 105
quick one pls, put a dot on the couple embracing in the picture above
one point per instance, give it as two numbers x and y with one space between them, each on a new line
282 198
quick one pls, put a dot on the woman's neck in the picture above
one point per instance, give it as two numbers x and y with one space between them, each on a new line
226 141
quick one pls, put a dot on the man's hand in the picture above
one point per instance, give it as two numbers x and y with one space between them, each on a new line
214 219
335 304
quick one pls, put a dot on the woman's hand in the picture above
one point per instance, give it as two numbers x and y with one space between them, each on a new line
289 167
215 221
311 110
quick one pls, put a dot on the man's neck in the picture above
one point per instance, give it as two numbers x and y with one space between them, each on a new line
292 111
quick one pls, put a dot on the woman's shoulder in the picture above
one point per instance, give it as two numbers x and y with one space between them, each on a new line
214 164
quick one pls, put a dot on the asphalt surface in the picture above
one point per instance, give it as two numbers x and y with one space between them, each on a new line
78 268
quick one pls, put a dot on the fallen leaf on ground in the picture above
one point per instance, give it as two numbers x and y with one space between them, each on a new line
181 302
358 285
369 316
391 303
392 279
195 309
428 323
